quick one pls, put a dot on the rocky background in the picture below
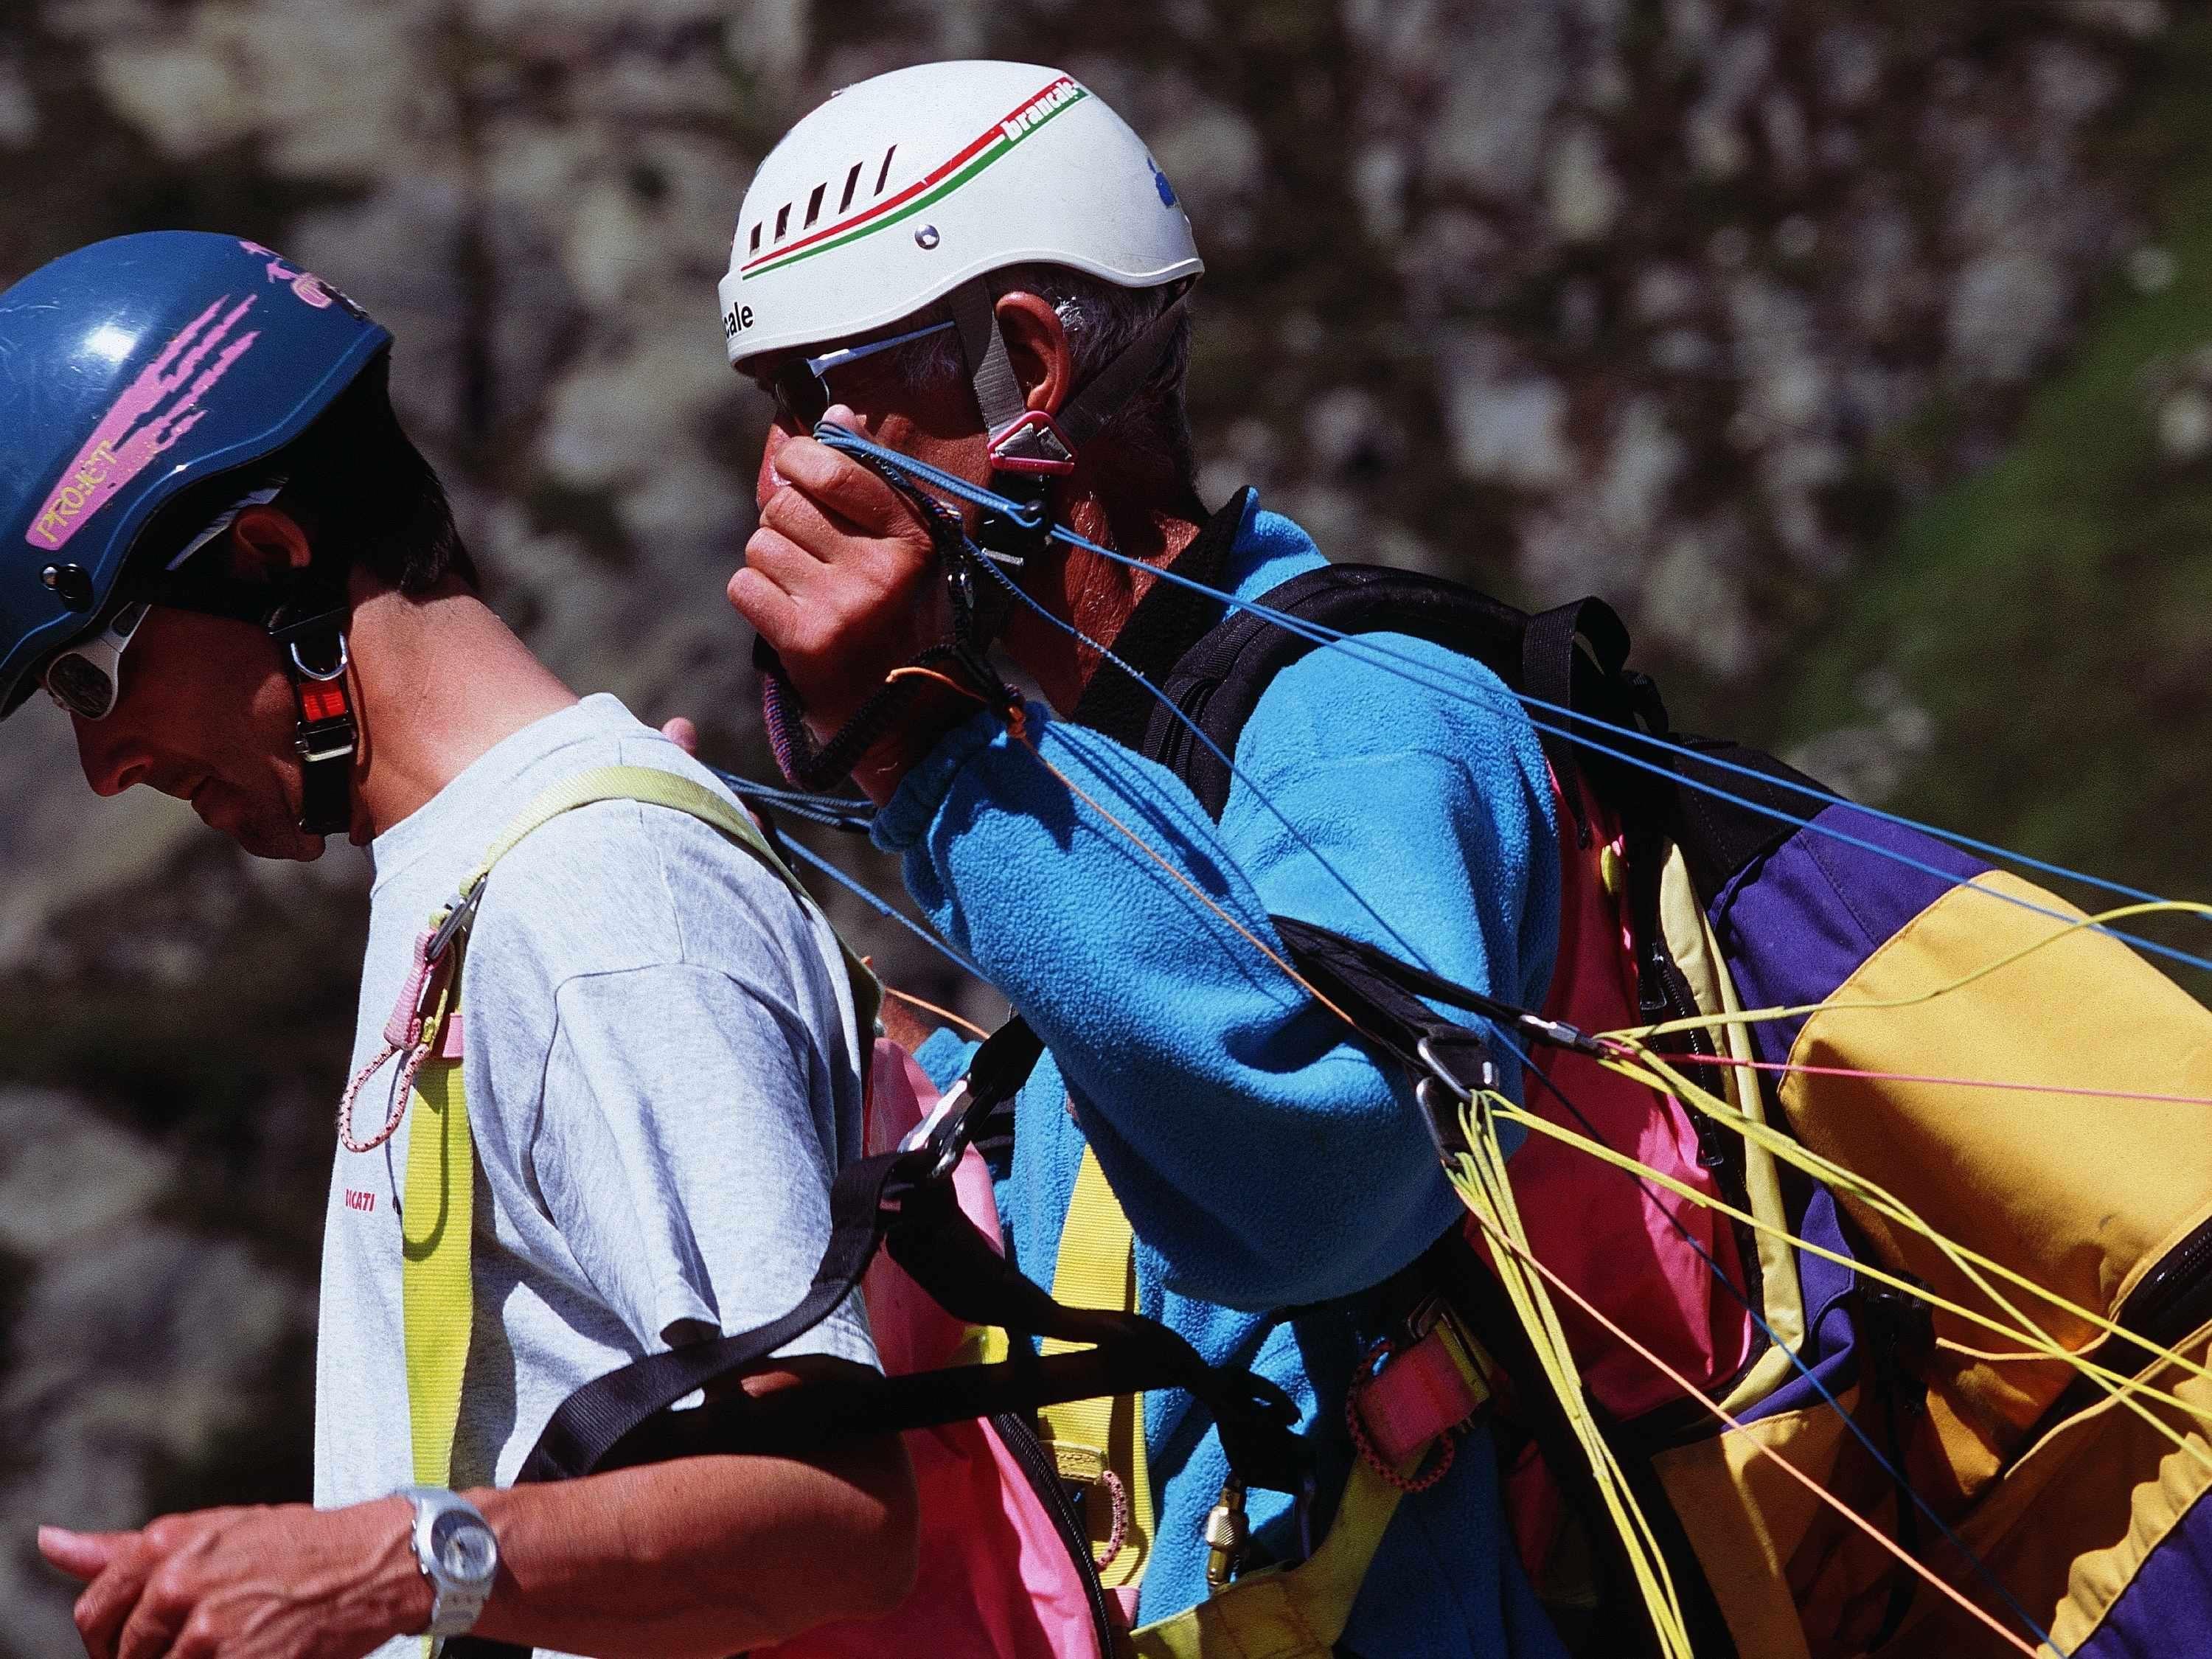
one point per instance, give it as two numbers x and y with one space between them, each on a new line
1860 349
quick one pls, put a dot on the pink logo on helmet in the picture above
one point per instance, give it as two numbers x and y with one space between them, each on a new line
306 286
160 406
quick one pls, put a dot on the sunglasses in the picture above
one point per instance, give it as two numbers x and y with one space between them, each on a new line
85 679
800 387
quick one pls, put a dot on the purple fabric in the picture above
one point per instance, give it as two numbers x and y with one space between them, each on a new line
1831 1350
2167 1608
1793 926
1797 923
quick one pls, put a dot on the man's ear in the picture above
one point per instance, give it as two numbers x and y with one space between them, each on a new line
1037 341
266 543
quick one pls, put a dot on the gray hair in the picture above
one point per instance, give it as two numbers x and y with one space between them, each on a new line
1100 318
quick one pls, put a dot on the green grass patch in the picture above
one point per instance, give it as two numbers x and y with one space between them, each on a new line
2053 614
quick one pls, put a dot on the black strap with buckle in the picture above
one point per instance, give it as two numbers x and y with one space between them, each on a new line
313 648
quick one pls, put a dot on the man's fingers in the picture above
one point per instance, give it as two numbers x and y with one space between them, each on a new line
111 1598
834 540
844 487
785 562
153 1627
82 1555
773 612
682 734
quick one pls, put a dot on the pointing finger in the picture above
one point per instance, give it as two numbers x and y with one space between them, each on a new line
81 1555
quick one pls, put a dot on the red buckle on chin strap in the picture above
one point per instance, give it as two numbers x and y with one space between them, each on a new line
1032 442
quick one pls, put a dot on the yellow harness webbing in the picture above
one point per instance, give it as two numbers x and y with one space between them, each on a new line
439 1206
1294 1614
436 1219
1100 1442
1272 1613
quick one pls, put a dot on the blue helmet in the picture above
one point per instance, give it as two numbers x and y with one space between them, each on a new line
130 371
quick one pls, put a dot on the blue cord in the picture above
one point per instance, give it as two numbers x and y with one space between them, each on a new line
839 438
1032 518
1258 793
858 889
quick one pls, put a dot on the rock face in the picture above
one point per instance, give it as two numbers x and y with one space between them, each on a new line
1553 294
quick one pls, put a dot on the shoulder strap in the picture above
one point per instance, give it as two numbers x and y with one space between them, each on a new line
437 1215
656 786
1219 680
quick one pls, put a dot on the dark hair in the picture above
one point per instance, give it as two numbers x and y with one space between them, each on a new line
360 490
365 495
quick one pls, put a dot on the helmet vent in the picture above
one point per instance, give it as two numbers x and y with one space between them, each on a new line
783 222
814 207
884 171
852 183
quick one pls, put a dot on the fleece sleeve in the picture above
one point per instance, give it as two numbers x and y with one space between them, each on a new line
679 1157
1265 1158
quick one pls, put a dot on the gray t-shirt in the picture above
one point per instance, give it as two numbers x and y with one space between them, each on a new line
662 1071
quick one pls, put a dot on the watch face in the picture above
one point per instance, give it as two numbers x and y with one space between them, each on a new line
464 1549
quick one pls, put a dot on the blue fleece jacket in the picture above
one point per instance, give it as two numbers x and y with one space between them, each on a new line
1266 1161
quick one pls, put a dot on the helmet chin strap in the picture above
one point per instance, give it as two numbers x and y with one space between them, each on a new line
309 635
1030 447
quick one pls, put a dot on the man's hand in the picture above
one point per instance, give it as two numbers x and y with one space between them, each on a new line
247 1584
842 580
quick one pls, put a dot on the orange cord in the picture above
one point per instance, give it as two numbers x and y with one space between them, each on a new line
1196 892
1016 726
911 673
945 1014
1795 1474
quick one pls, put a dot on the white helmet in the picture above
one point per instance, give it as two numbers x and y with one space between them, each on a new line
916 185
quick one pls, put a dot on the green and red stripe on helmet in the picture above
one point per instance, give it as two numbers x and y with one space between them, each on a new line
987 147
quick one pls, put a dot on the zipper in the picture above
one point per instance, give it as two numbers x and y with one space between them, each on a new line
2175 1297
1043 1476
1718 1149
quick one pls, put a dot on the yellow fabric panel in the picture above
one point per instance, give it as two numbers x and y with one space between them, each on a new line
2080 1193
1097 1269
1748 1520
1278 1614
2070 1524
436 1298
1697 954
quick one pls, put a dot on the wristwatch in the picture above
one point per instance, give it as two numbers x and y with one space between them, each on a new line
455 1548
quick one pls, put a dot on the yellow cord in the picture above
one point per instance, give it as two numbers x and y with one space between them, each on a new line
1969 1263
1483 1185
1640 1033
1605 1154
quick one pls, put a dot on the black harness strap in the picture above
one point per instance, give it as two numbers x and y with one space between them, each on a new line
905 1201
314 648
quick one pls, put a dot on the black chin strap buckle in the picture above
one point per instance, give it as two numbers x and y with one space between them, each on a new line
313 650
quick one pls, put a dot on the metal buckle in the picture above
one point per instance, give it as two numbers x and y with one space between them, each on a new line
317 673
1442 1073
457 921
1050 453
311 751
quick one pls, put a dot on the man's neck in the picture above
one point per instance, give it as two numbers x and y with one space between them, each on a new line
1098 596
437 680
